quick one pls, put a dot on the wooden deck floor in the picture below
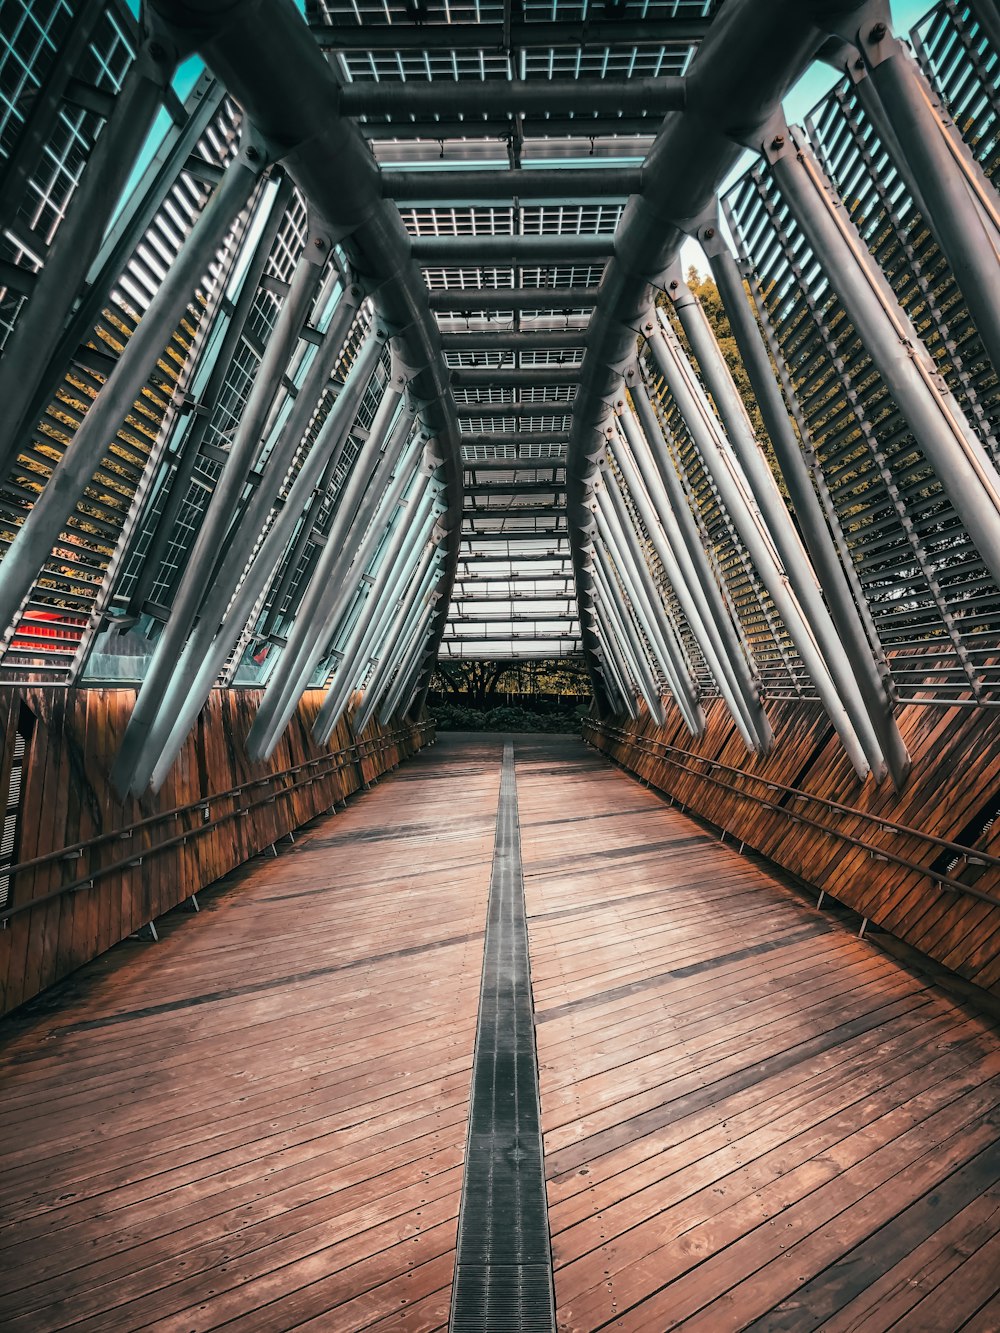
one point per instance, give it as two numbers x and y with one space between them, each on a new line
752 1118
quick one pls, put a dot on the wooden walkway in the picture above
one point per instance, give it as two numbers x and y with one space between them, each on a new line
752 1119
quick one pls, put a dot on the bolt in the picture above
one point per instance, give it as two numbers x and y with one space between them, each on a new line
778 142
709 233
157 51
253 154
878 32
859 63
674 285
319 243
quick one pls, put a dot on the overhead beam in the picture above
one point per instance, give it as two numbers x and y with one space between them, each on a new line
559 299
526 377
513 340
497 36
463 187
501 127
540 96
511 251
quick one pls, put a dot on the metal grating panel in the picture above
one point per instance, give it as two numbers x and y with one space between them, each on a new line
503 1272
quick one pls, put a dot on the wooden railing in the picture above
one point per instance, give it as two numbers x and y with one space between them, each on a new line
314 770
684 760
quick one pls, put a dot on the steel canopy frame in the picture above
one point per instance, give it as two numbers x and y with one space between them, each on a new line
752 54
272 66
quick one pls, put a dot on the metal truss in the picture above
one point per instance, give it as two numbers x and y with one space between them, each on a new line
386 352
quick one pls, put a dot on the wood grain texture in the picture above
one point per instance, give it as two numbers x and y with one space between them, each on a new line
752 1118
68 799
956 771
261 1120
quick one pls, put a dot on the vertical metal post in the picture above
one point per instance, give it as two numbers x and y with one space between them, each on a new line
192 590
326 599
79 237
215 635
805 502
764 492
41 528
734 492
952 211
936 420
663 533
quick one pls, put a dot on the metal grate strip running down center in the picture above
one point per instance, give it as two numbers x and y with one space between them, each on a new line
503 1272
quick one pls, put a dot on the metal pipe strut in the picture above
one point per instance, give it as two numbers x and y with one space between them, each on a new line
75 245
222 622
765 494
194 587
804 500
735 491
934 416
296 109
41 528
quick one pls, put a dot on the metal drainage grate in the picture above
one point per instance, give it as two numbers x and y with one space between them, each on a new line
503 1273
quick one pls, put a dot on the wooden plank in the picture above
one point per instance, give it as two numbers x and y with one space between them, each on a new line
281 1086
746 1115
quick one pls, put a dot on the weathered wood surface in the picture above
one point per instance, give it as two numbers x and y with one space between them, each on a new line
752 1118
956 773
262 1118
67 799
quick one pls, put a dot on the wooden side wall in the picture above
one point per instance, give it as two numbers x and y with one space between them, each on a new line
67 799
956 769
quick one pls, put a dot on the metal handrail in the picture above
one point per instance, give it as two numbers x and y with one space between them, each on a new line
336 761
971 854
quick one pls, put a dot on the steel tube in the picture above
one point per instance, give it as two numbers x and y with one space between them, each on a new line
198 428
296 106
952 211
214 637
395 561
514 340
488 97
657 471
192 590
328 594
420 585
765 494
646 604
751 56
933 415
622 625
78 240
472 301
519 35
734 490
511 251
41 528
685 587
806 505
